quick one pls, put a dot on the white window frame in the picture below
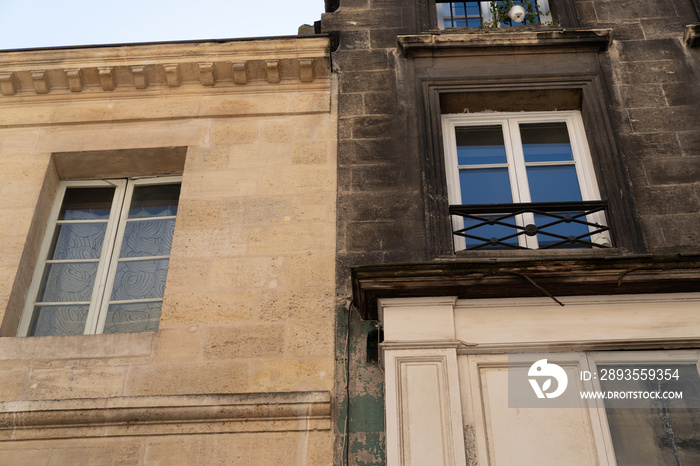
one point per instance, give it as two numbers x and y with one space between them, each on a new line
515 159
542 5
109 256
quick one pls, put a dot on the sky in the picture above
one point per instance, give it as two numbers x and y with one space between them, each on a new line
51 23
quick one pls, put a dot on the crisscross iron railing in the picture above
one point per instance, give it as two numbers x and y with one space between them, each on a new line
554 219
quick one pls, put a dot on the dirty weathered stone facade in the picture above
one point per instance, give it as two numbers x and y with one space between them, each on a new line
240 369
629 70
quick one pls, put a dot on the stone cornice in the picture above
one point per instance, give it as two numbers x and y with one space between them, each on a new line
206 65
494 41
164 415
503 278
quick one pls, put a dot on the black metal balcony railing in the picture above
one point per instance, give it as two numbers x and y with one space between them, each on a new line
557 225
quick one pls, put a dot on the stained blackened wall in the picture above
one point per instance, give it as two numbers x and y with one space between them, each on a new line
654 84
651 79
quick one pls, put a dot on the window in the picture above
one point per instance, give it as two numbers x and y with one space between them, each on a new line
653 431
474 14
104 259
519 180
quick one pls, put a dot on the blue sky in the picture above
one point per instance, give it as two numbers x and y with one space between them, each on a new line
44 23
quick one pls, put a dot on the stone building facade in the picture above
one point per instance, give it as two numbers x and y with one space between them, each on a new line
425 324
240 370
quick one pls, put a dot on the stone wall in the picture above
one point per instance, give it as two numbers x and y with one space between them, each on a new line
249 294
653 83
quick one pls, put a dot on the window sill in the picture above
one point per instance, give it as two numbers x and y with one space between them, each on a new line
526 38
692 35
115 345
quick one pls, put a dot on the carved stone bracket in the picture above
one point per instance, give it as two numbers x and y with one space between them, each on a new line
206 74
139 75
41 83
75 80
240 73
172 75
273 71
7 84
107 78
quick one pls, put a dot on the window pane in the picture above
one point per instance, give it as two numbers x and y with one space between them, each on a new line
546 142
78 241
661 432
553 184
59 320
86 203
68 282
140 279
480 145
137 317
157 200
486 232
562 229
148 238
485 186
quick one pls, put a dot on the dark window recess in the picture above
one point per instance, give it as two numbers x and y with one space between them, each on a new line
374 337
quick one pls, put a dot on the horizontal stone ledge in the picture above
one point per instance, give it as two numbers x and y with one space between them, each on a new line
533 40
165 415
134 77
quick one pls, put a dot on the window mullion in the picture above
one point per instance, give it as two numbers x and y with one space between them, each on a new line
107 257
518 177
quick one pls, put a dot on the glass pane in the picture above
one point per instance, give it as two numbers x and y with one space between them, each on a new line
486 232
78 241
546 142
553 184
474 22
473 9
137 317
485 186
158 200
141 279
661 431
479 145
58 320
458 8
68 282
148 238
563 229
86 203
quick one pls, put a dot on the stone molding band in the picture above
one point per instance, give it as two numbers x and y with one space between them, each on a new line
165 415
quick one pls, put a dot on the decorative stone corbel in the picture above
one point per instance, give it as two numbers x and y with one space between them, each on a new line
41 83
75 80
139 75
107 78
172 75
306 70
240 74
206 74
7 84
273 71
